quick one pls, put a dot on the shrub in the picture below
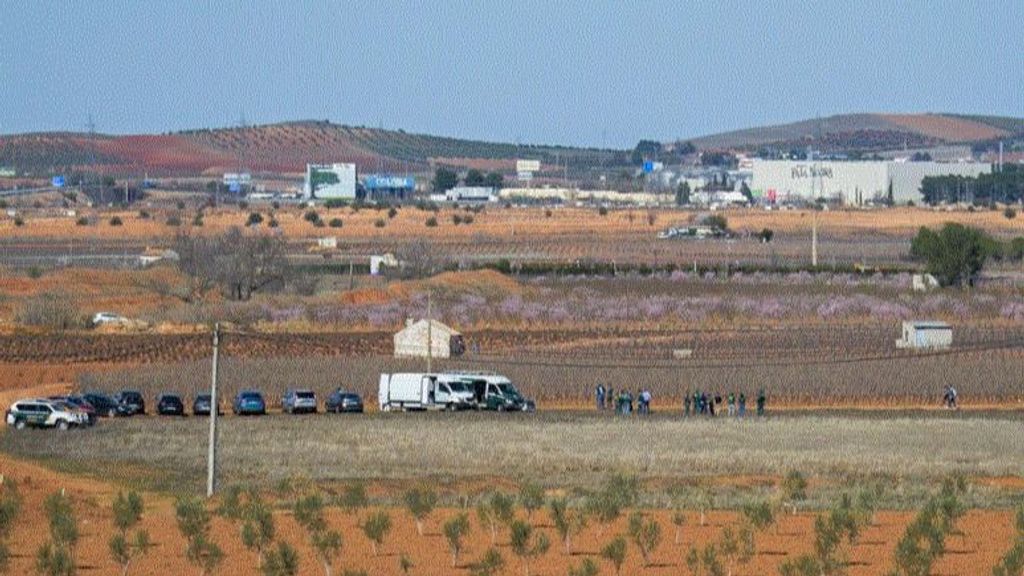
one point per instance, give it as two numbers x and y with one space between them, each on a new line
353 498
123 551
531 498
467 219
586 568
174 220
275 205
420 502
53 310
651 218
273 223
567 521
243 205
127 511
379 223
1010 213
431 222
334 203
193 522
281 561
197 220
58 555
615 552
794 489
456 219
376 528
619 492
490 564
603 211
716 221
255 219
180 205
547 213
19 221
766 235
311 216
318 224
258 526
678 520
335 223
392 212
116 221
35 272
82 221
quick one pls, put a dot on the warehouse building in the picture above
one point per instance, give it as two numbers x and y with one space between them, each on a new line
850 182
428 338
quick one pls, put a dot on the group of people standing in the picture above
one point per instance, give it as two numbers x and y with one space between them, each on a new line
623 403
698 403
702 404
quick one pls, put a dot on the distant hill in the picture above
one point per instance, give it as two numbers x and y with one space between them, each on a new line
279 148
869 133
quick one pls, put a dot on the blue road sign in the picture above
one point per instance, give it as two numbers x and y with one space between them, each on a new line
648 166
57 182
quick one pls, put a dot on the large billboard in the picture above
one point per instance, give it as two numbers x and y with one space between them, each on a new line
330 181
527 165
387 182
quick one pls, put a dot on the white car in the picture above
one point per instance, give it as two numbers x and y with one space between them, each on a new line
103 318
43 414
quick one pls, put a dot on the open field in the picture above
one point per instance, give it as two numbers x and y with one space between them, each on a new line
568 450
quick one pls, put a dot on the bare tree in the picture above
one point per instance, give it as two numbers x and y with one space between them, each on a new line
240 264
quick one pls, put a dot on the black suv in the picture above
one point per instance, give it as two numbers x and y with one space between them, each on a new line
132 402
105 405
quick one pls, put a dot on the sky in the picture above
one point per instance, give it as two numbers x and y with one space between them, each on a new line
591 73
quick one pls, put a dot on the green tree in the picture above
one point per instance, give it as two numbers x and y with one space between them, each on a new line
454 531
420 502
57 557
494 180
645 534
194 524
678 520
793 489
531 498
760 515
127 514
282 560
444 180
615 552
619 492
496 511
526 543
474 177
353 498
257 527
955 255
309 513
53 560
568 521
376 528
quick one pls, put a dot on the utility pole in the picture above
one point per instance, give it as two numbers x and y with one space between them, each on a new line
211 457
430 341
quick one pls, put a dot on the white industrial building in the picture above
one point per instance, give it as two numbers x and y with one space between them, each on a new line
925 334
850 182
330 181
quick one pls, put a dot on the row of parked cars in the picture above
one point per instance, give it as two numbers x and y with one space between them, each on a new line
63 412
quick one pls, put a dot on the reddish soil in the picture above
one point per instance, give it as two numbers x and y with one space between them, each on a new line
985 536
945 127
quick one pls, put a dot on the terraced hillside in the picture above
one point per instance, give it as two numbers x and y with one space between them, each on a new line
278 148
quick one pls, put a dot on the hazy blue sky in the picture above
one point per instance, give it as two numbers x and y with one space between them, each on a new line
537 72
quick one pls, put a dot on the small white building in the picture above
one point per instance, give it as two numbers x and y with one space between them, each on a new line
925 335
418 337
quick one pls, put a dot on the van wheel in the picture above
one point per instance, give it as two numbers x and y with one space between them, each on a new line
62 425
20 425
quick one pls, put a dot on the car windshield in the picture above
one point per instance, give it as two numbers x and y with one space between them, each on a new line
203 398
251 396
305 395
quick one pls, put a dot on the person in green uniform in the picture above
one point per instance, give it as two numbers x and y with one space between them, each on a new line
761 399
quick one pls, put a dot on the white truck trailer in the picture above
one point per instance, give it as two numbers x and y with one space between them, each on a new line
423 391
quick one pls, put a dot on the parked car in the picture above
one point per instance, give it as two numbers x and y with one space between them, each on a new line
201 405
105 406
341 401
104 318
249 402
170 405
79 404
132 401
296 401
43 413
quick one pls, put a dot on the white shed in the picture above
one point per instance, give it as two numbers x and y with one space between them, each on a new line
412 341
925 334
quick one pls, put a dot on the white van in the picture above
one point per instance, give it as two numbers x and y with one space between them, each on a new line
420 391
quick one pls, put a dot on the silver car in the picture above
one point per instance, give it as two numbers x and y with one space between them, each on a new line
298 401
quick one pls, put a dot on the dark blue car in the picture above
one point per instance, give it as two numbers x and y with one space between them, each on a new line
249 402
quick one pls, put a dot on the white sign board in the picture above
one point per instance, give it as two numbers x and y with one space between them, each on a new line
524 176
527 165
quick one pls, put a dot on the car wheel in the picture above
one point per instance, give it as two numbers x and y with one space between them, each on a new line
62 425
20 425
